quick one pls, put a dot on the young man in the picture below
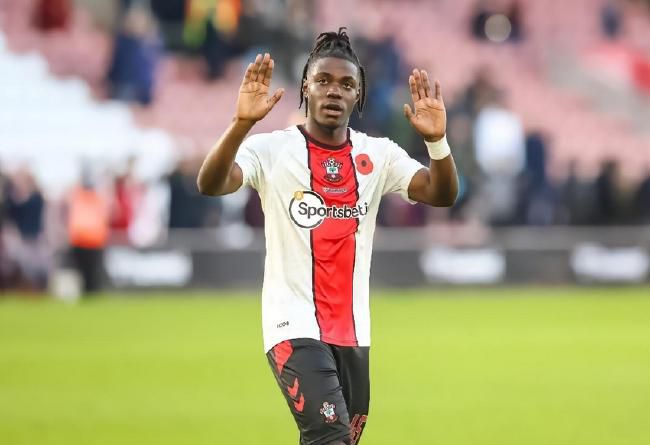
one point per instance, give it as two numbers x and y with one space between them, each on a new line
320 185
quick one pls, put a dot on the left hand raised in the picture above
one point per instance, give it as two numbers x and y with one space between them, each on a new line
430 117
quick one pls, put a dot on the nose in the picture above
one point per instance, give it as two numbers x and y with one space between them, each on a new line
334 91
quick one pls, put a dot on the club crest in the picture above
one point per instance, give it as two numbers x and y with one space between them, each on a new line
332 168
328 411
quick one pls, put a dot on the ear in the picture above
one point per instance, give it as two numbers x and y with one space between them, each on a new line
304 88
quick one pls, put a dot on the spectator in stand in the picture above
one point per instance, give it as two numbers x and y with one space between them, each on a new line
481 13
479 93
281 26
211 25
257 29
642 200
297 30
514 14
4 261
612 204
166 10
188 209
459 135
27 249
52 15
499 144
136 55
611 19
537 196
386 67
126 195
485 25
170 15
577 197
88 231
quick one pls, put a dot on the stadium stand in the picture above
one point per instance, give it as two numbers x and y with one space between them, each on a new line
187 105
553 78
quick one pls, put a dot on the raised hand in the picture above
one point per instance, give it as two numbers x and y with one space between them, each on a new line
430 117
254 101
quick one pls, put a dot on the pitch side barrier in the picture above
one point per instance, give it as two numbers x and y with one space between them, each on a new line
234 257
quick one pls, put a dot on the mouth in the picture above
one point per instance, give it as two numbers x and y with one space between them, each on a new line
333 109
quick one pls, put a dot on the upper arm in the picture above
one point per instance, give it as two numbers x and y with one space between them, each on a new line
437 185
419 187
235 179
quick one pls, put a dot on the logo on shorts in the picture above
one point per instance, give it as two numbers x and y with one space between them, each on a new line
308 210
328 411
332 167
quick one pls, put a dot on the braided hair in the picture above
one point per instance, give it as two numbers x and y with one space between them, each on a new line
334 44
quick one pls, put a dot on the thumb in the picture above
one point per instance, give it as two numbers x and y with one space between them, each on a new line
275 98
408 113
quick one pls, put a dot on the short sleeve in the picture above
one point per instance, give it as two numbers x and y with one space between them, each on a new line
249 160
401 169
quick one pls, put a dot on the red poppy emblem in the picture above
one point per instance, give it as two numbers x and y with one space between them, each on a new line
364 164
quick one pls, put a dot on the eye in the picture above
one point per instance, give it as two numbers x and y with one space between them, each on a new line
322 81
347 85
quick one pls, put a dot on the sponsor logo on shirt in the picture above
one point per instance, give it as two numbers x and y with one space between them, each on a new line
335 190
308 210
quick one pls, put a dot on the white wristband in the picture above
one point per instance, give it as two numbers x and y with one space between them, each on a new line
438 150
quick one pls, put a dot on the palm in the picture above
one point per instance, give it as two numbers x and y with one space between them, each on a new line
429 118
254 101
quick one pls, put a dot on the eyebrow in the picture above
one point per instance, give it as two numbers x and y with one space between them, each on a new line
325 73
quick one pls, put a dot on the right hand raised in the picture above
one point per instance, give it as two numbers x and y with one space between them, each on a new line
254 102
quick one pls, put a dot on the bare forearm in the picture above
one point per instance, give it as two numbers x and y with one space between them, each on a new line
216 176
436 186
443 182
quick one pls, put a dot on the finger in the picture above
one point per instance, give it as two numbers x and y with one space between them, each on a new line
407 112
263 67
275 98
256 67
268 74
426 84
438 90
248 74
418 83
414 91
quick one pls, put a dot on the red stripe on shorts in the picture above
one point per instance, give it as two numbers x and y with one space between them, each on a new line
282 352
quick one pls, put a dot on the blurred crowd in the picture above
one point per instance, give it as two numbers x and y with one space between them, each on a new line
40 231
504 177
502 164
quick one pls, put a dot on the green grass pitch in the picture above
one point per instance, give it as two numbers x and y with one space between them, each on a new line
524 366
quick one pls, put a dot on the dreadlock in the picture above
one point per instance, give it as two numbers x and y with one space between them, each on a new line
333 44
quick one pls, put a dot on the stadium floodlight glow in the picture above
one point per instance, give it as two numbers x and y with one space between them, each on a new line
498 28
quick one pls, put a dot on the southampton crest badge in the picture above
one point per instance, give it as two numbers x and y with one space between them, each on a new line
328 411
332 168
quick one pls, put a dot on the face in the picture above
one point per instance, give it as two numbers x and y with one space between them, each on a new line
332 90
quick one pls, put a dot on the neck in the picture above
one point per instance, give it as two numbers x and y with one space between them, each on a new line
326 135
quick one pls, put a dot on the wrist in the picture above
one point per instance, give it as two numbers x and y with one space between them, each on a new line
438 149
245 124
433 138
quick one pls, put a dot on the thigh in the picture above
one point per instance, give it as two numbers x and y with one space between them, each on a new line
353 364
306 372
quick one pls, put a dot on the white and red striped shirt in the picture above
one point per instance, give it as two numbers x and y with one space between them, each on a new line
320 204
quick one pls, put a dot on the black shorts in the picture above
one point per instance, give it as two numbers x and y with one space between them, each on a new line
327 388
